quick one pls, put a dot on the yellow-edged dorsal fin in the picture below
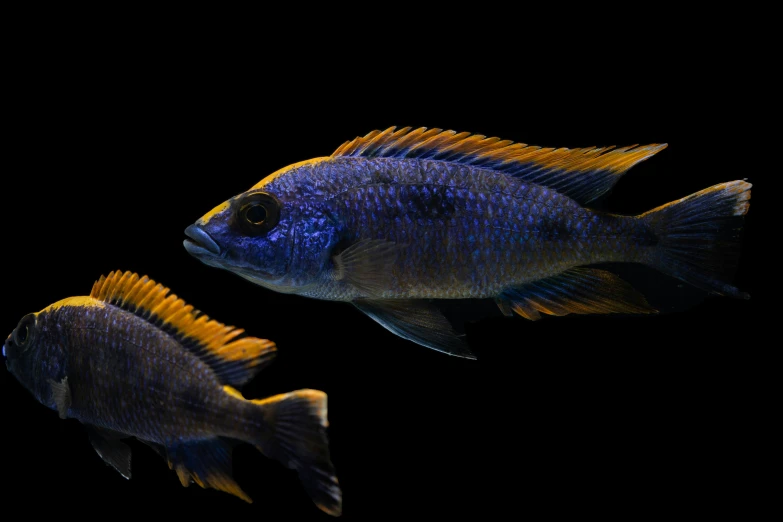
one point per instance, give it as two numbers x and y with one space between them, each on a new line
234 358
582 174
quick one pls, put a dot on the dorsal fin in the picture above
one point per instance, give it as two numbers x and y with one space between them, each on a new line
581 174
234 358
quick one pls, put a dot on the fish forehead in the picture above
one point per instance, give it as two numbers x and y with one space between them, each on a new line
78 301
285 170
206 218
74 312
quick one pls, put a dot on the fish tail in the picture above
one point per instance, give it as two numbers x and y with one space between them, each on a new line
293 431
698 237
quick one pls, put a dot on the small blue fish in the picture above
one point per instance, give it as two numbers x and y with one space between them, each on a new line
399 218
133 360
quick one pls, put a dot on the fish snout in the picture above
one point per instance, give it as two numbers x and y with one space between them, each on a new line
8 354
7 341
200 243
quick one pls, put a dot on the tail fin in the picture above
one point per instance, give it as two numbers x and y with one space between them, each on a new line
698 236
295 434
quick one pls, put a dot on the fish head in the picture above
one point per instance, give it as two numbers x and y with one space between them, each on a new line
20 349
278 234
270 239
248 232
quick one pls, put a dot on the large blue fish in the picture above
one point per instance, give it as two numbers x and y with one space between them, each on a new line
398 218
133 360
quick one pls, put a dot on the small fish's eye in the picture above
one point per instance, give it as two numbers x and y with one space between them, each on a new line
258 212
24 332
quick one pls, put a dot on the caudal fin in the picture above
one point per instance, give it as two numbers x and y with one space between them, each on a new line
699 236
295 434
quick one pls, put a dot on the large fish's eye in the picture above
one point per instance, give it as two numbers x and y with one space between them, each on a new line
24 332
258 212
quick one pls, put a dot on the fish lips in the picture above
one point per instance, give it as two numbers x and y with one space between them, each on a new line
9 364
205 249
200 244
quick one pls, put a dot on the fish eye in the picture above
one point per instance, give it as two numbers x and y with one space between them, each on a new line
24 332
258 212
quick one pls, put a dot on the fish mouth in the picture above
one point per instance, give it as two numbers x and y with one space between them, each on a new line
200 243
9 364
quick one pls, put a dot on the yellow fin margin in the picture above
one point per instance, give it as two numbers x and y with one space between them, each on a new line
406 142
142 295
316 399
233 392
211 478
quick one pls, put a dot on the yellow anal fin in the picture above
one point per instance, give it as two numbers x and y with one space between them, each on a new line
208 464
235 359
576 291
583 174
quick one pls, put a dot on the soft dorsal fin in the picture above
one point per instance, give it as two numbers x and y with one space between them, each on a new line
234 358
582 174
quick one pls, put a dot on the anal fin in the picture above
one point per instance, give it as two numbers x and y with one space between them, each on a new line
417 321
207 463
575 291
113 451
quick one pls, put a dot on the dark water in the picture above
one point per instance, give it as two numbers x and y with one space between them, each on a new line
569 415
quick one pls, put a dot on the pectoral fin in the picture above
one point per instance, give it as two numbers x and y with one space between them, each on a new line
61 393
114 452
417 321
367 265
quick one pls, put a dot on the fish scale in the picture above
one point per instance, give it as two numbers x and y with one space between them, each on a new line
541 231
123 386
397 219
133 360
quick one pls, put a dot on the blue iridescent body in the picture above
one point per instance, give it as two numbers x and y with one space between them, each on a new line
464 232
396 219
133 360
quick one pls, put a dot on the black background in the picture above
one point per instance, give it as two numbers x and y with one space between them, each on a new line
112 153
